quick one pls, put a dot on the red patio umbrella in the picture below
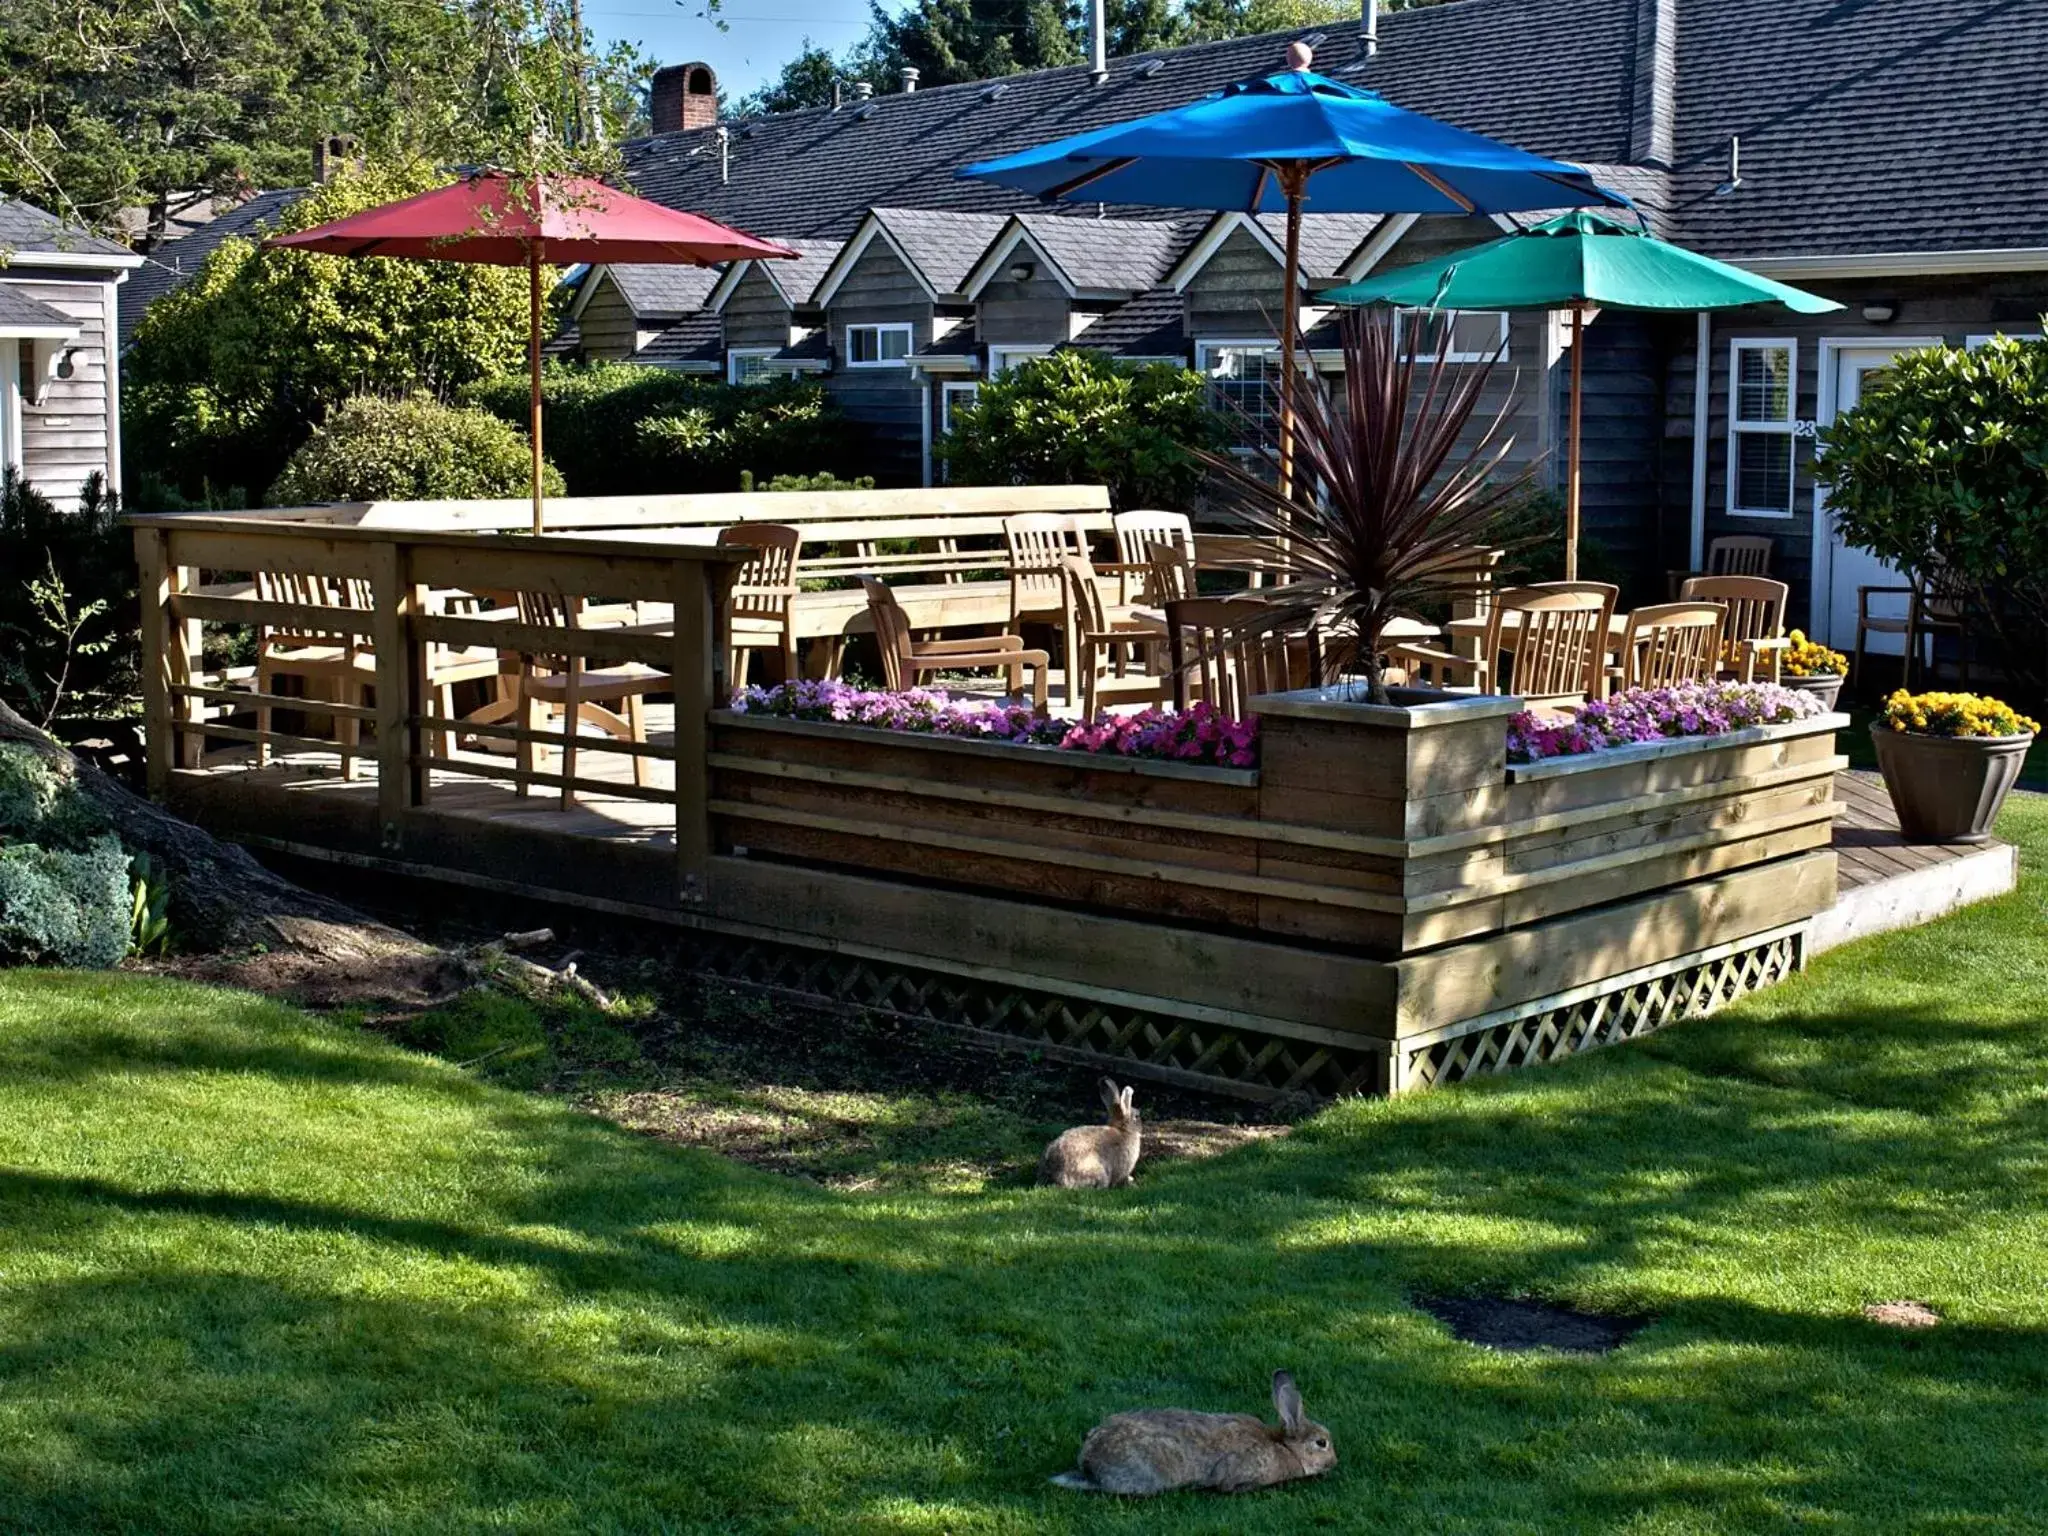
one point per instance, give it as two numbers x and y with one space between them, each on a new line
531 222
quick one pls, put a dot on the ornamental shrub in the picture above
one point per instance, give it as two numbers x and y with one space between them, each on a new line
1942 470
408 450
1078 417
69 620
624 429
64 889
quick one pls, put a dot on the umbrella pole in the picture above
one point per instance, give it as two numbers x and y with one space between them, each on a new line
1571 498
1293 179
533 370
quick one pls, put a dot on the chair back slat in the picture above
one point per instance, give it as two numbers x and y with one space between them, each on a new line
1752 607
1561 637
892 632
1142 538
1743 554
1671 643
766 583
310 591
1173 576
551 610
1037 544
1223 653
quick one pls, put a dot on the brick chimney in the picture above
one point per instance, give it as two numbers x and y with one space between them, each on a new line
332 154
683 96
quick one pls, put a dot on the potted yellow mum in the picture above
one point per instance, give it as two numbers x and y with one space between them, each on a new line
1813 668
1948 760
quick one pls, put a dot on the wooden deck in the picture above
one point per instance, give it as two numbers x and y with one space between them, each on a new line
1886 882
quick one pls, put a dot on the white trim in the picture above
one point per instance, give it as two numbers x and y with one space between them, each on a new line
1013 235
1377 245
1702 429
734 354
110 349
1212 241
879 327
728 280
870 229
127 261
1821 565
935 419
1971 343
10 408
597 274
1737 345
1900 263
1005 355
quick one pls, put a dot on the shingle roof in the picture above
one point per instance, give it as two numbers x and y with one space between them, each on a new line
1153 324
942 246
27 228
1114 255
799 279
694 342
664 291
1886 125
170 264
17 309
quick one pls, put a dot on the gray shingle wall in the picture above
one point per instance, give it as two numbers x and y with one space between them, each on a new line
755 314
879 289
610 330
69 435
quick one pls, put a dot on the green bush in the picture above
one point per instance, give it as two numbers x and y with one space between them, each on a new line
69 619
64 891
1942 470
410 450
824 480
623 429
1080 418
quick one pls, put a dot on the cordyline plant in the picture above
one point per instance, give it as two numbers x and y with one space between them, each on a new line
1399 495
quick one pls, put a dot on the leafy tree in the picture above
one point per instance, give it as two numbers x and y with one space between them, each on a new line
232 371
414 449
950 41
108 107
1942 470
805 81
1077 417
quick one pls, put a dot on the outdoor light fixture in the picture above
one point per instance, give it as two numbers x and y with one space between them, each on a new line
1023 271
66 366
1879 312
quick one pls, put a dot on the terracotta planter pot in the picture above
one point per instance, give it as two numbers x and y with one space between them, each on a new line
1825 686
1948 789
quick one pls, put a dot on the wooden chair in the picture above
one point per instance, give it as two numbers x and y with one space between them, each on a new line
906 660
1103 640
1037 544
1753 633
343 660
1932 610
1173 576
1559 642
1736 554
1670 643
1221 653
1143 539
582 693
759 607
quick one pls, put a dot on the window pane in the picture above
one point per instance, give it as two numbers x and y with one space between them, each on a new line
1475 333
1763 471
860 344
754 370
895 344
1763 384
1244 386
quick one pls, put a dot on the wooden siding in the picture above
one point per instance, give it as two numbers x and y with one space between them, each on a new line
1953 308
755 313
72 433
1237 292
608 327
1622 446
1037 311
880 290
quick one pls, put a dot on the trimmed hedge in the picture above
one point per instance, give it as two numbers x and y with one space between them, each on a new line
414 449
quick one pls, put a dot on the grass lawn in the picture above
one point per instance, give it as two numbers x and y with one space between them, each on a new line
261 1273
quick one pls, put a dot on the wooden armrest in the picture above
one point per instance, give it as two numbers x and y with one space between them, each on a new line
1781 643
1004 658
972 643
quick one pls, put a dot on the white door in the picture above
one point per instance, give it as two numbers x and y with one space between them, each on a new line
1838 569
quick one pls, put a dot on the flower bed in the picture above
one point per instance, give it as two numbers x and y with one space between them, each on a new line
1656 714
1199 734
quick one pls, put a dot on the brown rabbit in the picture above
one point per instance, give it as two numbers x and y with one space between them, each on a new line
1160 1449
1096 1156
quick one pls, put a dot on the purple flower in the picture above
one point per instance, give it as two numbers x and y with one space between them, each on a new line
1656 714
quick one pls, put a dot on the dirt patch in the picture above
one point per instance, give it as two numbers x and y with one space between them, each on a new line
1495 1322
1200 1138
1903 1314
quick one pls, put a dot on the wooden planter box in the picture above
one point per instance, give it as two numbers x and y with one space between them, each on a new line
1383 831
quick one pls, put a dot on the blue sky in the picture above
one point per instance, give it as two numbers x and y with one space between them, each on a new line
759 35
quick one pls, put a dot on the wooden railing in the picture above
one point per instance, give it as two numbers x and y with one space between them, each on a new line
653 604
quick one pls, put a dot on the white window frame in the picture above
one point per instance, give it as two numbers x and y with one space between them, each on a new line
901 328
1003 356
1739 429
736 355
1972 343
949 391
1454 355
10 403
1206 349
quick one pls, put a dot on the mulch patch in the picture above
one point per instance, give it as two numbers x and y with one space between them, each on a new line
1495 1322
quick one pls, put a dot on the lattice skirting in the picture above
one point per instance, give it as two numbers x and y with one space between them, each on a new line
1137 1042
1602 1013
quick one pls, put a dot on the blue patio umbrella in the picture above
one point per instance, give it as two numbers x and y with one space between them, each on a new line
1276 143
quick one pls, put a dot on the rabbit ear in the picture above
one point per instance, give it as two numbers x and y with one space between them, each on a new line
1127 1100
1109 1095
1287 1399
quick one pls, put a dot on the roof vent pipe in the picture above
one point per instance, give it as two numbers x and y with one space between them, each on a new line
838 90
724 155
1098 43
1369 27
863 89
910 73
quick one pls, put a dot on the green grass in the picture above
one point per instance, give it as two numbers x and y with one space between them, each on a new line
262 1273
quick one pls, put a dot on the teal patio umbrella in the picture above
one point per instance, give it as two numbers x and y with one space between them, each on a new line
1575 261
1276 144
